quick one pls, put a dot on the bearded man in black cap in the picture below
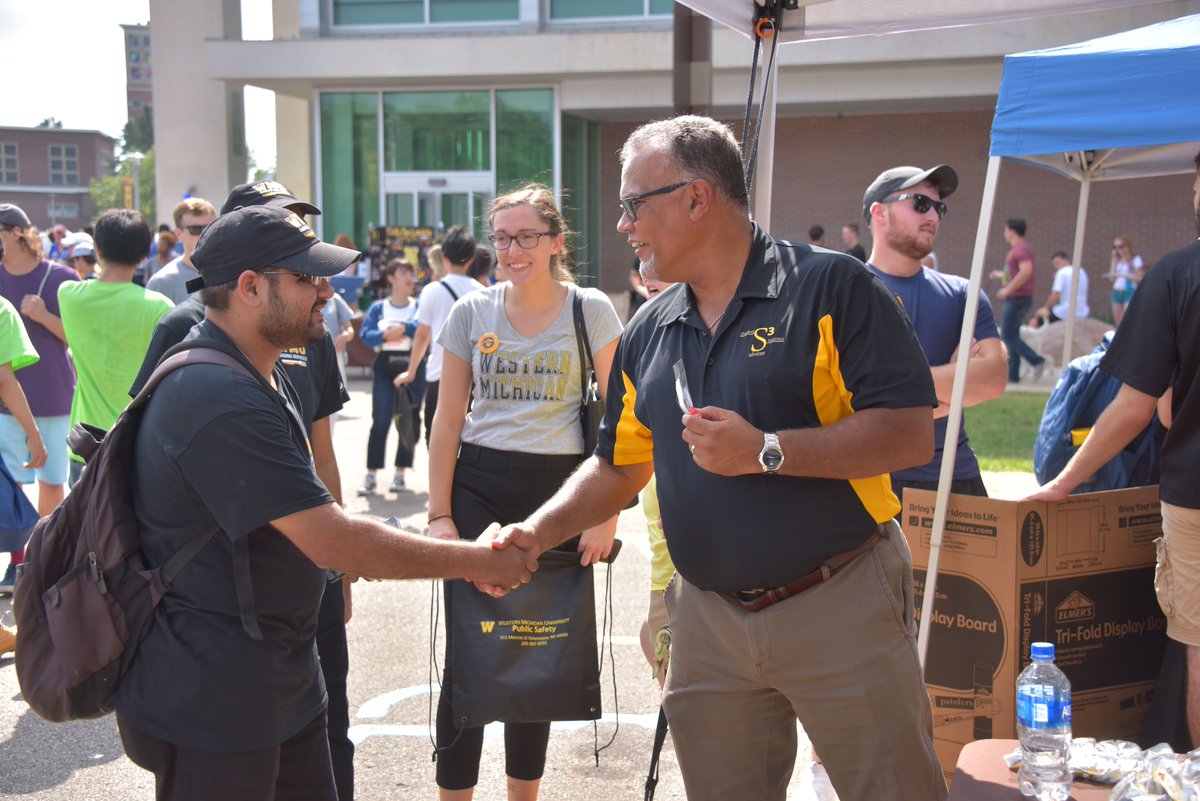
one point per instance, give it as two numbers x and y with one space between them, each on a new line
904 208
225 699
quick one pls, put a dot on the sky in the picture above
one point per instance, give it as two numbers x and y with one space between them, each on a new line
71 55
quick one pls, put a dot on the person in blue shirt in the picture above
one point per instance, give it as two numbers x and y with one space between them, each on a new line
389 327
904 207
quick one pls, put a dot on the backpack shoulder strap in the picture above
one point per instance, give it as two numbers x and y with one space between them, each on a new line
446 286
581 335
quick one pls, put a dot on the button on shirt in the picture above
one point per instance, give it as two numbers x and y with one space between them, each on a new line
808 339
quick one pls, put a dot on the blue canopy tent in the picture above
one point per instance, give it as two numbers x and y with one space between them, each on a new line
1118 107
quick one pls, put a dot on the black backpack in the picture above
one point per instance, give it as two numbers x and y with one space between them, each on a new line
85 597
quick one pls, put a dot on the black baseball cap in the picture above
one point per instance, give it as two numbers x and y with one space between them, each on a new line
13 216
266 193
258 237
942 176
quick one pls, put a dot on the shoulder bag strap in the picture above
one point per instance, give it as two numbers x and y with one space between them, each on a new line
446 286
585 348
45 277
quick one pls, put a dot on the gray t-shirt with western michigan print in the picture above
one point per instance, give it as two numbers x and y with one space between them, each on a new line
527 389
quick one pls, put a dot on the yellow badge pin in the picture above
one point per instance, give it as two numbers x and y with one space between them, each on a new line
488 343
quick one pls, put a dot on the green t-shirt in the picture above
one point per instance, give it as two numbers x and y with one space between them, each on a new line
15 348
108 328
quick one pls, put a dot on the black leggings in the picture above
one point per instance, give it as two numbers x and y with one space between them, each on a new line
502 487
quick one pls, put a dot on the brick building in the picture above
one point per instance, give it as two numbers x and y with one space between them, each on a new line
47 171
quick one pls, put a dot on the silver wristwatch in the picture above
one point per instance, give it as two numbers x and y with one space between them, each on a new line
771 455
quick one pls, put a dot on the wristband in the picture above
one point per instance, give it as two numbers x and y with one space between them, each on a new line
435 517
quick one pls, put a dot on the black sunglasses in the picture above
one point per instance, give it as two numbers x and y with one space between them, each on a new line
921 203
629 205
195 230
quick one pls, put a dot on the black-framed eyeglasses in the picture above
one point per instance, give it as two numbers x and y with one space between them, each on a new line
527 240
629 205
315 280
195 230
921 203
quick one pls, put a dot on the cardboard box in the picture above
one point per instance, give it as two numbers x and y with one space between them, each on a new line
1078 573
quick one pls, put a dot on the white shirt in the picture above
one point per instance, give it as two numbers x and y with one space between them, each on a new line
436 302
1062 286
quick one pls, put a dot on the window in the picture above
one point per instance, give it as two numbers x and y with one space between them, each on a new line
444 131
145 41
524 137
421 12
135 56
8 163
349 164
135 104
135 73
590 9
64 165
63 211
133 40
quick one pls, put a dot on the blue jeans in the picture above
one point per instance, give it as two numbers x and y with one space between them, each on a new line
1014 313
383 405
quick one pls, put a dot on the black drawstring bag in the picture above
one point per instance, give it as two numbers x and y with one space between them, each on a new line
531 655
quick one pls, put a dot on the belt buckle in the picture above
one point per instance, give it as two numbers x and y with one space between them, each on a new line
750 595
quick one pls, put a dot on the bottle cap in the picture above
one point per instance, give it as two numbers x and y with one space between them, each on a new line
1042 651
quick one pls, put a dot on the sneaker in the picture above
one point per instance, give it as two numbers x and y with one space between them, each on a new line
8 640
368 485
1038 369
9 580
398 483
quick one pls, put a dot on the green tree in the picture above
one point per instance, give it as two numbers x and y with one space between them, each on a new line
108 192
139 133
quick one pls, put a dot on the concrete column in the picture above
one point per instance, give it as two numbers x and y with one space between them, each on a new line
199 127
293 122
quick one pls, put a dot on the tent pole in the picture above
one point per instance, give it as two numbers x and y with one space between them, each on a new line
954 420
1085 189
766 149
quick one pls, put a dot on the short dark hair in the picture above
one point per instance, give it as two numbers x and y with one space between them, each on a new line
852 226
217 297
815 233
458 246
122 237
1017 225
90 258
1060 254
397 265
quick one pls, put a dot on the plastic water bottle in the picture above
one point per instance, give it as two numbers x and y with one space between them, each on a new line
1044 726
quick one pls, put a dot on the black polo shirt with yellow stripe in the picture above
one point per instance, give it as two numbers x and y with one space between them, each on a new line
810 337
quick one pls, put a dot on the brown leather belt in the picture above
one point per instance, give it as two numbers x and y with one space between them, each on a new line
757 600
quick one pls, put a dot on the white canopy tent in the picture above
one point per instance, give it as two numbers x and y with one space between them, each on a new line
1088 129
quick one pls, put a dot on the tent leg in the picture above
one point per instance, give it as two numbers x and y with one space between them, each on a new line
954 421
1085 189
766 148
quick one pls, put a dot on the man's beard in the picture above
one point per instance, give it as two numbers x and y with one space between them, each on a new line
908 245
283 329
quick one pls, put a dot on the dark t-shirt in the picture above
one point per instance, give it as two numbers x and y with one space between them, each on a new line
215 451
313 370
935 303
49 385
811 337
1012 264
858 253
1155 348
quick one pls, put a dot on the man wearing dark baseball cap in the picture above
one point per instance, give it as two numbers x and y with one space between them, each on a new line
320 392
904 207
13 216
266 193
225 698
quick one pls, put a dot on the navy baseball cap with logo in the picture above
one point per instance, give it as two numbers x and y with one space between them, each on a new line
266 193
942 176
259 237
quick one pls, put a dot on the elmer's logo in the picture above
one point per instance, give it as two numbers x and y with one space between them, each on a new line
270 189
487 626
1075 607
760 338
300 225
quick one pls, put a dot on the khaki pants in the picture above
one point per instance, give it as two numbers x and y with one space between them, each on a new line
841 657
1177 576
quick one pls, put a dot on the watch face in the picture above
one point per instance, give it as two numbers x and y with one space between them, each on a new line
772 458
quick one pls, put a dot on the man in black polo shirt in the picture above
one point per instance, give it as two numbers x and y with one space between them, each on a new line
771 393
317 381
1151 354
225 699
